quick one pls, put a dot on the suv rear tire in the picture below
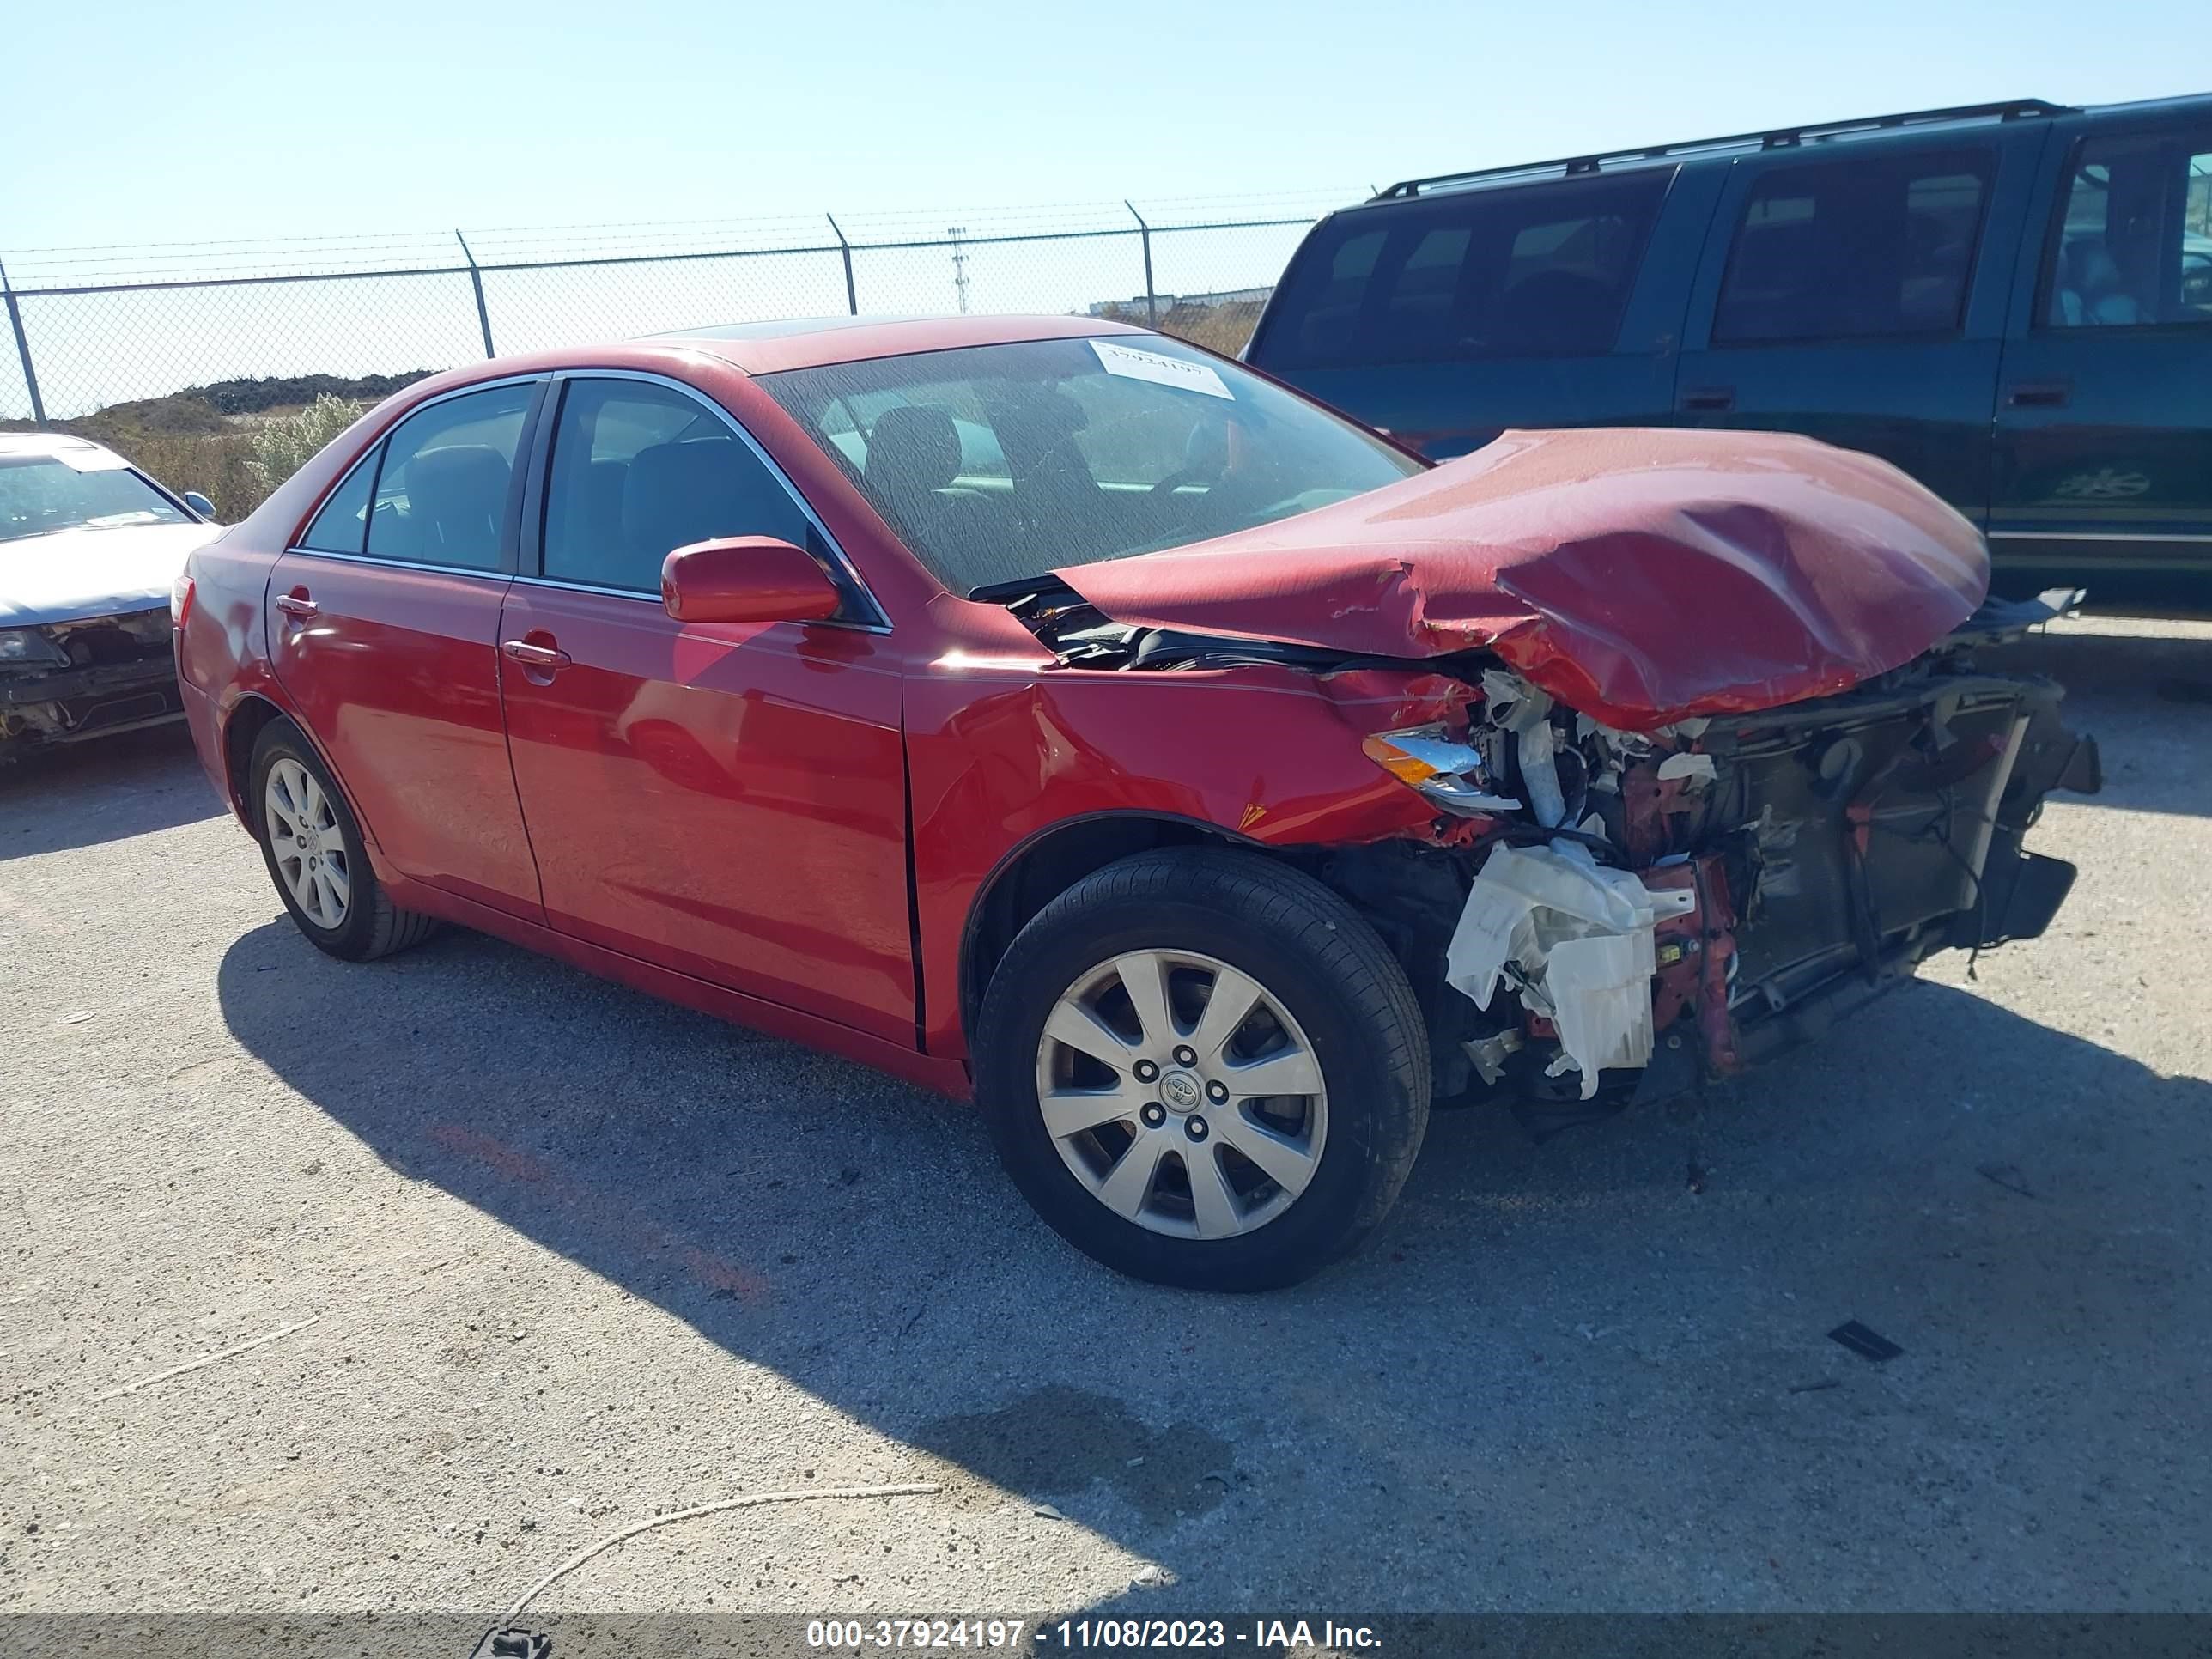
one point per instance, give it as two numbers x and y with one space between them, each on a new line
1173 1149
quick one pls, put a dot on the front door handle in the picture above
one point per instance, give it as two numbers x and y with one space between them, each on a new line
2040 394
298 606
1712 398
545 657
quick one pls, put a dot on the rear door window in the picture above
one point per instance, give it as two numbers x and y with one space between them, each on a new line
442 492
342 524
1868 247
1538 270
2134 241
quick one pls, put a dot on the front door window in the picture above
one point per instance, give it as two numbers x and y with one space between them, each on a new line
640 470
2134 246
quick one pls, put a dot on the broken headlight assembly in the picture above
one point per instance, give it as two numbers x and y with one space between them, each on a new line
25 647
1451 773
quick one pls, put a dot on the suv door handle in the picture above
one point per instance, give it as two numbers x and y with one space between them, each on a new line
298 606
536 656
1709 397
2040 394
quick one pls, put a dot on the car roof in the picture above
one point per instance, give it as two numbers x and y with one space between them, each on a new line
768 348
813 342
51 443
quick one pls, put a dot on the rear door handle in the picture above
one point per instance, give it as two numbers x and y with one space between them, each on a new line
298 606
2040 394
1709 397
536 656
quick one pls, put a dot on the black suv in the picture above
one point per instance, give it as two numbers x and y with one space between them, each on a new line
2012 302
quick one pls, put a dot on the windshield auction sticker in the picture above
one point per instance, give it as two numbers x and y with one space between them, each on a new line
90 457
1134 365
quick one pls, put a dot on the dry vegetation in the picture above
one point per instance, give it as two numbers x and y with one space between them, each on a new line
1222 328
283 443
233 441
218 464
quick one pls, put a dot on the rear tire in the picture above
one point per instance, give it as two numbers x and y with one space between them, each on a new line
1185 1178
312 846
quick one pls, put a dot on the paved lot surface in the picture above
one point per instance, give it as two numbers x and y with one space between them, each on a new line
572 1257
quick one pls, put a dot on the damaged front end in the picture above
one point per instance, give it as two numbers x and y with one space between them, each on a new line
1642 908
65 682
1596 913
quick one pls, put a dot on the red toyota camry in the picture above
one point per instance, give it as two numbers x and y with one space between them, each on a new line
1054 711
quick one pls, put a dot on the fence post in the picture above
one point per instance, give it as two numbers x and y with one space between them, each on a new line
23 350
1145 231
476 281
852 294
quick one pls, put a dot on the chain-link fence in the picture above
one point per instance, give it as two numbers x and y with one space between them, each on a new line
112 327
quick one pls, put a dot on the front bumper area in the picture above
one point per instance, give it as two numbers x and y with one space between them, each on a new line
1709 895
72 705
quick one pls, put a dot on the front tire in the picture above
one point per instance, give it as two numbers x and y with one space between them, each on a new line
313 849
1204 1068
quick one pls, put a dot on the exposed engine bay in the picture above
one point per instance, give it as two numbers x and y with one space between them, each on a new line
1599 914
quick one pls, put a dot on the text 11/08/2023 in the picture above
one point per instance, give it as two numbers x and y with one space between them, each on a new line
1087 1635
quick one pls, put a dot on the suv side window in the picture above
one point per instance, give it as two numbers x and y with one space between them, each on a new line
441 492
1531 270
640 470
2134 241
1868 247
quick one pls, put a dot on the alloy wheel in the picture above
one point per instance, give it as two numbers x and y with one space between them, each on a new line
1183 1094
306 842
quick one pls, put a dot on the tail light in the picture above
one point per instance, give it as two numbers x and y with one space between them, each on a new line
180 599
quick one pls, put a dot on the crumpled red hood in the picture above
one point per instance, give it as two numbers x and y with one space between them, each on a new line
1640 575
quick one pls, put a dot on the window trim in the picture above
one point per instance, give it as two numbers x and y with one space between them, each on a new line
1992 158
538 503
2039 324
502 577
174 497
372 458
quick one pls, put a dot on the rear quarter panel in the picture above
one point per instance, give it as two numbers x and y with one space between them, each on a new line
223 651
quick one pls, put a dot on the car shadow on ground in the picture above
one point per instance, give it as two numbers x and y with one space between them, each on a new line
107 789
1603 1360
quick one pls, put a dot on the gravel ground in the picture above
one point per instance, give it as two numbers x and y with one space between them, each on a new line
548 1257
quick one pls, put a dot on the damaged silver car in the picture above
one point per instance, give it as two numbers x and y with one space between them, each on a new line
91 549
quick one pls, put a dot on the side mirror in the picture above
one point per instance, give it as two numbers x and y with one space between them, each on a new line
200 504
745 578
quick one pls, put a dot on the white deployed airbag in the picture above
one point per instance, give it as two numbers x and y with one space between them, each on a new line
1576 938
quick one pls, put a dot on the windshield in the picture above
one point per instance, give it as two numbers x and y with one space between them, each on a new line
997 464
39 494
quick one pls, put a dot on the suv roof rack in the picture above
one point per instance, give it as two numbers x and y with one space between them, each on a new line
1779 138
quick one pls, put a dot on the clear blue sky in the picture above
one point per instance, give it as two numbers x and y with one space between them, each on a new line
134 122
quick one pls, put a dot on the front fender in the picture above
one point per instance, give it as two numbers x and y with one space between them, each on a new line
1268 754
